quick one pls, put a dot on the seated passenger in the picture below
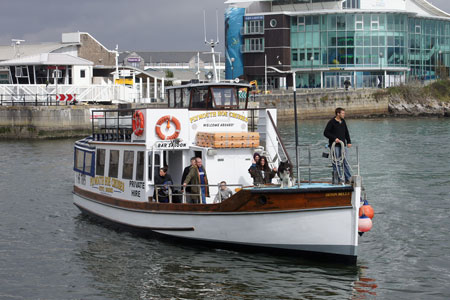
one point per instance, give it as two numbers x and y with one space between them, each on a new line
224 193
162 182
262 174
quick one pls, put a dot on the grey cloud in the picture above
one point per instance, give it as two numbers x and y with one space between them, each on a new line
133 24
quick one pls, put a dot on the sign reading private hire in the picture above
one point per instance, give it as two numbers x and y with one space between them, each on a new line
219 121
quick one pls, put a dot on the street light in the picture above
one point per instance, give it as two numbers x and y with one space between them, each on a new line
232 68
381 69
439 64
312 70
294 88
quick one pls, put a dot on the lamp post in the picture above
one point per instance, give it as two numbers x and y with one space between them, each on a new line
265 74
294 89
312 67
381 69
232 68
439 64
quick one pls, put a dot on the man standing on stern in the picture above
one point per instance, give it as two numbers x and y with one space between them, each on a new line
337 131
197 177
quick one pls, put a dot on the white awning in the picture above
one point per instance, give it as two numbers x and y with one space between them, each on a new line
49 59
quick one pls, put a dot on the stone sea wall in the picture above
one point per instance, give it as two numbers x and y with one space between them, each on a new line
20 122
315 105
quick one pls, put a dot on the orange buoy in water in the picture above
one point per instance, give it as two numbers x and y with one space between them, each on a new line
366 209
364 224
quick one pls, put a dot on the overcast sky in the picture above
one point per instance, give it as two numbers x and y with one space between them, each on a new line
154 25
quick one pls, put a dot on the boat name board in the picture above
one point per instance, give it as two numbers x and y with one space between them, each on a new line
107 184
337 194
218 114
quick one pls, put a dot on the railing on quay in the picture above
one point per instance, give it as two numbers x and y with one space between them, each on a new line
177 191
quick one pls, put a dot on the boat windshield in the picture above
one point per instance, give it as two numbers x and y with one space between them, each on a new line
224 97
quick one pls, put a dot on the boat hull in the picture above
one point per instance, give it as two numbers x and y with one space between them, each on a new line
328 231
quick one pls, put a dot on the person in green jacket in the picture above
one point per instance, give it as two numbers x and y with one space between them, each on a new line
197 175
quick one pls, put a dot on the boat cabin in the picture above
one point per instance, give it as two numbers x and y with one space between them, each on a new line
128 147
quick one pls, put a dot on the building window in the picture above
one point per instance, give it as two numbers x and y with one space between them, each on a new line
254 45
294 55
254 26
418 29
301 24
82 73
375 23
359 23
273 23
21 71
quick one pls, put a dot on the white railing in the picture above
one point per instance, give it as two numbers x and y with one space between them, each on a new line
89 93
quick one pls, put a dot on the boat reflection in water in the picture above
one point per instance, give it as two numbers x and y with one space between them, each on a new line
129 266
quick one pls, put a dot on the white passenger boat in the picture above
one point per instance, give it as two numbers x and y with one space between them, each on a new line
115 170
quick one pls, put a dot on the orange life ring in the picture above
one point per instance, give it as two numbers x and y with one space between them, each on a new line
168 119
138 123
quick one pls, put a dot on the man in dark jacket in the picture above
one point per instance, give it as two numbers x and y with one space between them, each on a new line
337 132
163 181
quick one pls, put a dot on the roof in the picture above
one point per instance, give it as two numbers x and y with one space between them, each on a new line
9 51
432 8
193 85
52 59
168 57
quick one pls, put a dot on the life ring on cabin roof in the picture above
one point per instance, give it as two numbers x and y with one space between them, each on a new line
138 123
168 119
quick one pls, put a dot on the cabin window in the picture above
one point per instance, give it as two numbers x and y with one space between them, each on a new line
128 161
224 96
178 98
83 162
88 161
140 165
186 97
79 160
100 167
113 163
201 98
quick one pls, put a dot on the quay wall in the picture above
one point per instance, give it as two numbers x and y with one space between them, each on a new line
321 104
21 122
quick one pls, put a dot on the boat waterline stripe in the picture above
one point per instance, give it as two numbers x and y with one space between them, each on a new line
348 250
209 213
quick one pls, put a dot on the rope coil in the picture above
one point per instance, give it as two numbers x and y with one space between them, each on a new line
339 161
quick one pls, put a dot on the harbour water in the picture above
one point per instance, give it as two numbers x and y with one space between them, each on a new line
48 250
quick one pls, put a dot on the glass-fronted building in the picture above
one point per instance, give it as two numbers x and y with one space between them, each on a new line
371 43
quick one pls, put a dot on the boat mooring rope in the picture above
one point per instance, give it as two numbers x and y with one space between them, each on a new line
339 161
